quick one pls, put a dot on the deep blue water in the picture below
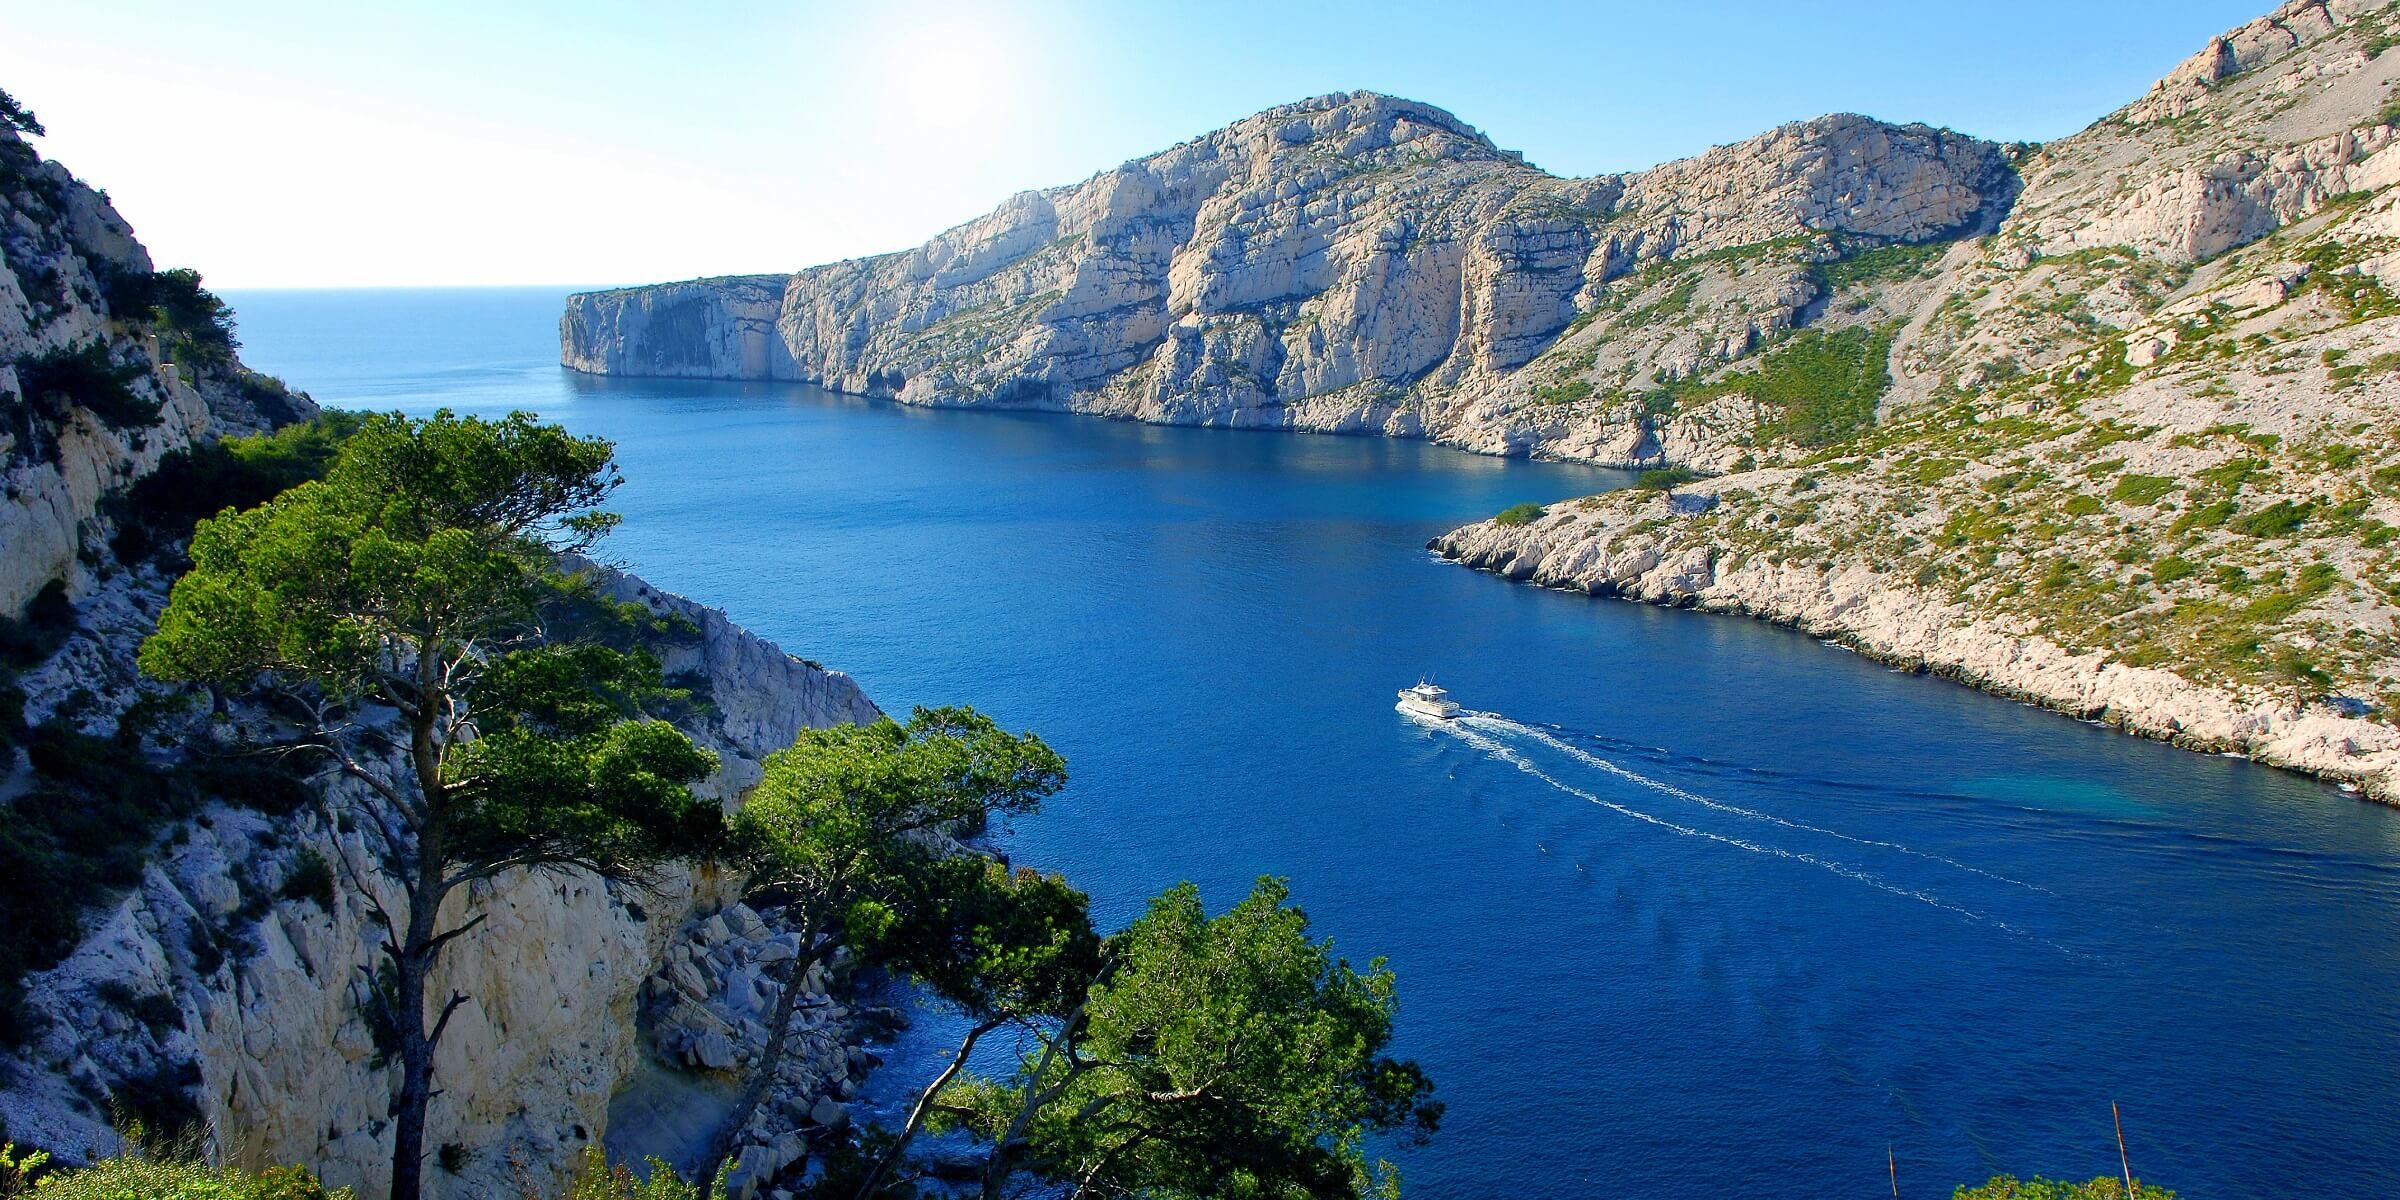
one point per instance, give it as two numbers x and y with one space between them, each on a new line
1710 909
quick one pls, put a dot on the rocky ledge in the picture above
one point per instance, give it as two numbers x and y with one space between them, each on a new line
1641 552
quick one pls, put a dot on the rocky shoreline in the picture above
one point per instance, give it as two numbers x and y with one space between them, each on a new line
1908 627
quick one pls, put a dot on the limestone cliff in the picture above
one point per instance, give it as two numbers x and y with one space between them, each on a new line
68 253
2135 456
224 976
1352 263
219 982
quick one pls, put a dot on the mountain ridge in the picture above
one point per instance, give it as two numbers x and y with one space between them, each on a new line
2122 401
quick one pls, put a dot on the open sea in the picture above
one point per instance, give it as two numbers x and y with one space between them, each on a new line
1703 908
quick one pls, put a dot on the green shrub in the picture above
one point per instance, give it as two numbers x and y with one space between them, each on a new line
87 377
597 1179
49 618
20 118
2205 517
2107 1187
241 473
1665 479
1822 387
2141 490
1572 391
87 830
2275 520
2082 506
1520 514
2171 568
138 1177
1880 264
311 879
197 326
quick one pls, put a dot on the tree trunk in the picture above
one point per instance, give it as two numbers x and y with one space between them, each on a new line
922 1109
762 1074
415 965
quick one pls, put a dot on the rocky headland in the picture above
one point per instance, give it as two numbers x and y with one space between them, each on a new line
218 974
2110 423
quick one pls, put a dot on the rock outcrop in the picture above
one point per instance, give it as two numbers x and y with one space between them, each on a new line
221 981
65 247
231 980
1893 620
1352 263
2135 456
2111 422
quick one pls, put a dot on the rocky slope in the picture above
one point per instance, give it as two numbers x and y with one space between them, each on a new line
219 972
2112 422
68 252
1351 263
219 982
2135 455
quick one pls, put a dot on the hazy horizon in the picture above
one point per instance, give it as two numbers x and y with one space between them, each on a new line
451 146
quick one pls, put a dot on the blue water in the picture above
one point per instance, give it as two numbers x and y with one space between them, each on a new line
1706 908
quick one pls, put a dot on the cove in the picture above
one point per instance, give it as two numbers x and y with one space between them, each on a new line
1703 907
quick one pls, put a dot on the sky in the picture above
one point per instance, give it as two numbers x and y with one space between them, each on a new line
338 144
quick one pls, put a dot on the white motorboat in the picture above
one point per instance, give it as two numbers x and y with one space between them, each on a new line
1426 700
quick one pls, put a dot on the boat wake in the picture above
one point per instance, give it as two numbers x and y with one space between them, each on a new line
1638 779
1465 729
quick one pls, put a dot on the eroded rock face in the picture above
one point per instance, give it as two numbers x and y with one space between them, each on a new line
212 979
1648 553
1353 263
61 240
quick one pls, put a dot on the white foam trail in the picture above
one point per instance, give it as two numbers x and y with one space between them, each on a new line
1502 752
1661 786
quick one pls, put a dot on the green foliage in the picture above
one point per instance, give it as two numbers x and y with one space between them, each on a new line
20 118
86 828
1571 391
1665 479
416 573
86 377
2106 1187
205 479
597 1179
1821 388
2141 490
2356 294
2082 506
2207 516
1880 264
1675 303
2275 520
146 1177
196 325
49 618
310 879
1232 1055
1520 514
831 821
2172 568
19 1168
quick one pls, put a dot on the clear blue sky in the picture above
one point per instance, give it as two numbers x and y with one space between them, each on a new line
337 143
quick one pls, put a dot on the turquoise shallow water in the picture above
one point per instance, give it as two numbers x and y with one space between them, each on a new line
1707 908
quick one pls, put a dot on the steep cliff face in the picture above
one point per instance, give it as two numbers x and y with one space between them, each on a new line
229 979
1352 263
2136 455
220 982
67 252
